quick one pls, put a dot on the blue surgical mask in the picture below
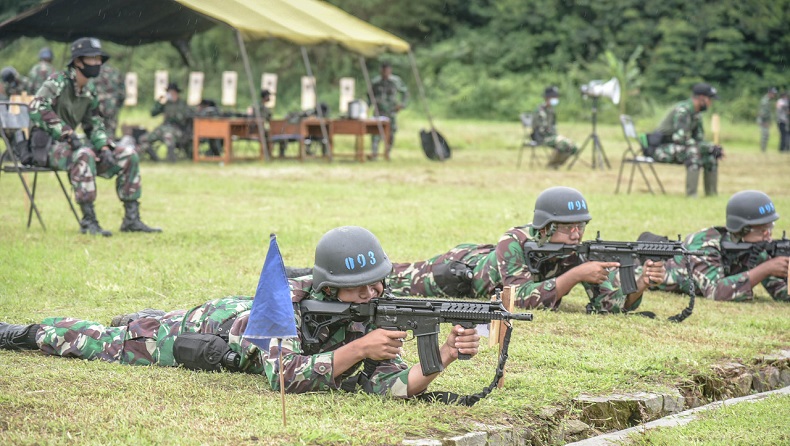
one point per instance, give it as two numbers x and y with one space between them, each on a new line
554 101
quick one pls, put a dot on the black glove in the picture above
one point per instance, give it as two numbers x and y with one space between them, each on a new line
717 151
106 158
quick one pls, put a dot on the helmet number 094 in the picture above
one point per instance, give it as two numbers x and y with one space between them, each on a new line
577 205
361 259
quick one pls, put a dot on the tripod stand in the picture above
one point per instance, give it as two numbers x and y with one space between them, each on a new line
598 155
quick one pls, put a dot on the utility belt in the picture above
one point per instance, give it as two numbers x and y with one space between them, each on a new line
207 351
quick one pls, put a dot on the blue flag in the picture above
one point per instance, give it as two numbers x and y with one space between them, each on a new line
272 314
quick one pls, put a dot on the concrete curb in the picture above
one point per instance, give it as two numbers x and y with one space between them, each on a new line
679 419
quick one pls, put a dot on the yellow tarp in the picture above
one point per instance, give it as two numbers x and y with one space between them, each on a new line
304 22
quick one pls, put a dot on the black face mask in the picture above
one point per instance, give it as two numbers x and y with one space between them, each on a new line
90 71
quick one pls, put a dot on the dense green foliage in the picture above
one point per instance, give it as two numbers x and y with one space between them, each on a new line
491 59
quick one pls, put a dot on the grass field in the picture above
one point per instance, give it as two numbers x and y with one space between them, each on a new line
217 220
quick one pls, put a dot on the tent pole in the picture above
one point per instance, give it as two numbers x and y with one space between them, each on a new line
424 101
319 112
372 96
256 103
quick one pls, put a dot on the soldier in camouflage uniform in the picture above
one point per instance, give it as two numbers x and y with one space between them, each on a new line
67 100
682 141
726 276
391 95
544 129
111 89
41 70
783 121
13 83
176 130
764 116
475 271
148 337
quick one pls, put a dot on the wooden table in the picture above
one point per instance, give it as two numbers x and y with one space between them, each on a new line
360 128
224 129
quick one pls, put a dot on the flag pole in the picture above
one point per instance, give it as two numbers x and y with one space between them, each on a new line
282 377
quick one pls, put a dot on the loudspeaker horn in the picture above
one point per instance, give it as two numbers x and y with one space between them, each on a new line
610 89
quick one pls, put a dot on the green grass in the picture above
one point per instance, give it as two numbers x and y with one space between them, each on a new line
758 422
217 220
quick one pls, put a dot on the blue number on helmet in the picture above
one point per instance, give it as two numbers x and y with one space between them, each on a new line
350 263
372 257
361 260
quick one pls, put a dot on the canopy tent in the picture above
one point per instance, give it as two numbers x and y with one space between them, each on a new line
138 22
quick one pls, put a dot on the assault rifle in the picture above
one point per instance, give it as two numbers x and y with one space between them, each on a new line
628 254
420 316
774 248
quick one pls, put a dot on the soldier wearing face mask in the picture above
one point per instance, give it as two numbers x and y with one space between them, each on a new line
64 102
544 129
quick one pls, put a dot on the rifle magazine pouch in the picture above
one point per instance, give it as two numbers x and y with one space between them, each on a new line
200 351
40 142
453 278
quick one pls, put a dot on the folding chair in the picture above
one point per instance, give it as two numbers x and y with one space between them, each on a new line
527 141
630 156
15 120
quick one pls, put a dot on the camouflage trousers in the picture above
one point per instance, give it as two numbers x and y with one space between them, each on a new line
420 278
561 144
149 340
376 139
763 137
82 168
168 134
699 156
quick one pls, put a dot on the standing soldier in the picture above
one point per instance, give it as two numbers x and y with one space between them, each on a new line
764 116
175 130
391 97
783 121
544 129
682 140
41 70
111 89
67 100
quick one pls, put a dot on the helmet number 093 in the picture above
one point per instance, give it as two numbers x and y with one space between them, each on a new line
361 260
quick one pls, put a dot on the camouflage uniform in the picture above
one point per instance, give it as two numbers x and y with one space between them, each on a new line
111 88
684 136
59 107
38 74
18 86
504 265
149 340
764 120
544 131
783 123
715 276
175 131
389 94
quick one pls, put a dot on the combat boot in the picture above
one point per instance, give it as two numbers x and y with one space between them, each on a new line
18 337
692 180
557 159
89 224
124 319
711 180
131 220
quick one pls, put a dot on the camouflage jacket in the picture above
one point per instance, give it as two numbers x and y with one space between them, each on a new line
764 112
38 74
717 276
177 113
505 265
110 87
544 122
389 94
682 125
58 106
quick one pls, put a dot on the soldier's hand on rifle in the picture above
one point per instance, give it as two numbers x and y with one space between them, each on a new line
463 340
594 272
777 266
381 344
653 273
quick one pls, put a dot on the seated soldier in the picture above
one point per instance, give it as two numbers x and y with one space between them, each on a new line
208 108
731 275
544 129
475 271
148 337
175 131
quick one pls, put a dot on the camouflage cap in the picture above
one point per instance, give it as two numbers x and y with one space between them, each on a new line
87 46
749 208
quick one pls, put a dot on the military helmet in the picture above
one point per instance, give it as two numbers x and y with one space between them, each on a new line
45 53
749 208
559 204
347 257
8 74
87 46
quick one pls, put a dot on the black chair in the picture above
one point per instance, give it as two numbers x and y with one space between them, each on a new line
15 125
528 141
630 156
